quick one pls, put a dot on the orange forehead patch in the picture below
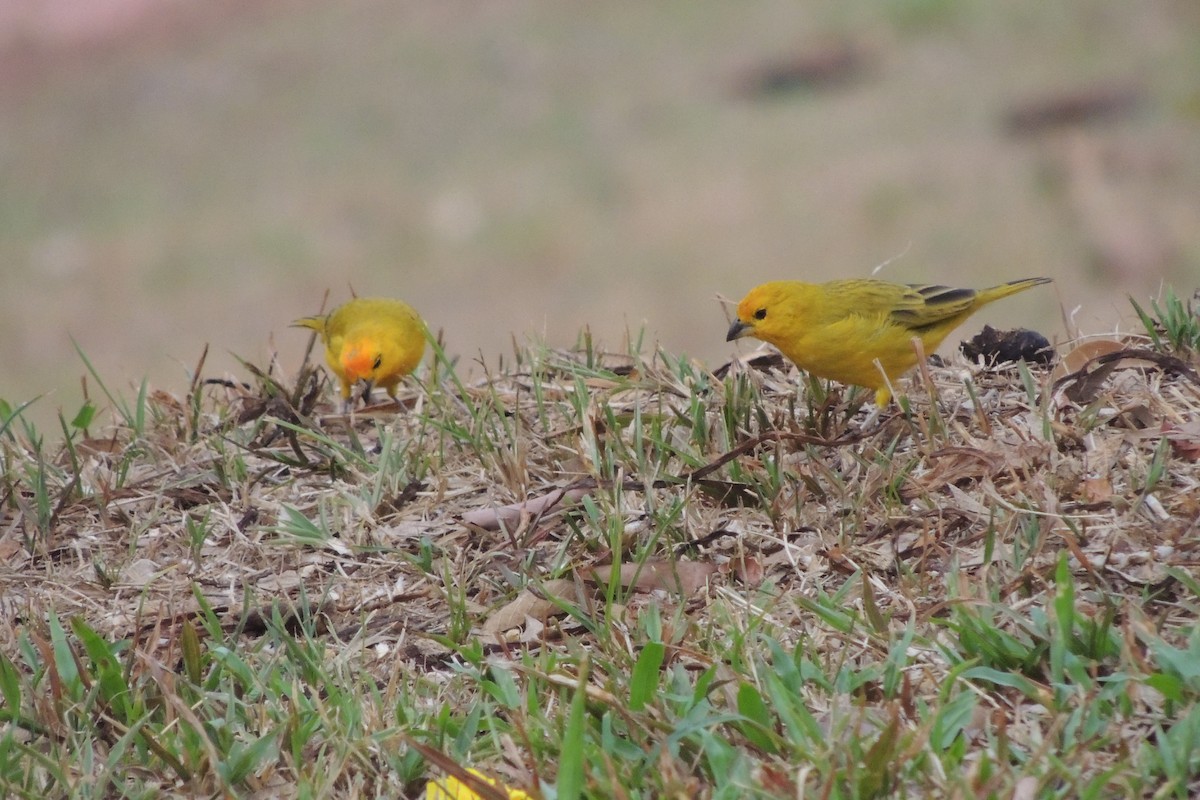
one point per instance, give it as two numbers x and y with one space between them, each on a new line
358 361
749 305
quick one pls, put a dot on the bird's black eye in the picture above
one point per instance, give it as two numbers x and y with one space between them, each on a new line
378 362
760 314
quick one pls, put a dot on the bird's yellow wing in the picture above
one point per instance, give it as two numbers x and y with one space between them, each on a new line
915 306
921 306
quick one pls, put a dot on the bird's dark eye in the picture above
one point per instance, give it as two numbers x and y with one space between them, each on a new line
760 314
378 362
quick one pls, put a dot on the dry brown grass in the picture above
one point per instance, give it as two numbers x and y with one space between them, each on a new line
990 593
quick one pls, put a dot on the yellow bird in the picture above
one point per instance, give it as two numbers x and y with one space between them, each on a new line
372 339
452 788
857 331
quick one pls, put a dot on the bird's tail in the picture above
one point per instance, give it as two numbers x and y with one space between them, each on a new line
314 323
984 296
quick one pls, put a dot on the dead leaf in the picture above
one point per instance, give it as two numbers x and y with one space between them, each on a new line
1083 385
749 570
529 604
1136 418
685 577
1097 489
94 446
167 401
9 547
509 516
1078 358
1185 439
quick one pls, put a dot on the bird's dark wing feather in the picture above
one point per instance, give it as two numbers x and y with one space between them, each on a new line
925 305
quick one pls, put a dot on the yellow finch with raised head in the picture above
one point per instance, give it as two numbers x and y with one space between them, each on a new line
840 329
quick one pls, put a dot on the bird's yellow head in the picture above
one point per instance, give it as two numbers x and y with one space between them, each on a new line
770 312
362 360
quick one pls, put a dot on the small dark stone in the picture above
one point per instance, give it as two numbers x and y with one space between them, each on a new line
820 67
997 347
1082 106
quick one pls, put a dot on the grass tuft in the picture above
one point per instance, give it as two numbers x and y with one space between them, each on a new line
1172 325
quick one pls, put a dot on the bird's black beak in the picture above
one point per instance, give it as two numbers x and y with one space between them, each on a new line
737 330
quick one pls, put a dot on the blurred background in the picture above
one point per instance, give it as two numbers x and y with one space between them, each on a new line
176 174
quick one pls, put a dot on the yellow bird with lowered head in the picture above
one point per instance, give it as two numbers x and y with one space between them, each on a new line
372 339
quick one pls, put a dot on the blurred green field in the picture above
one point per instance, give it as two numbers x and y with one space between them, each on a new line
525 169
